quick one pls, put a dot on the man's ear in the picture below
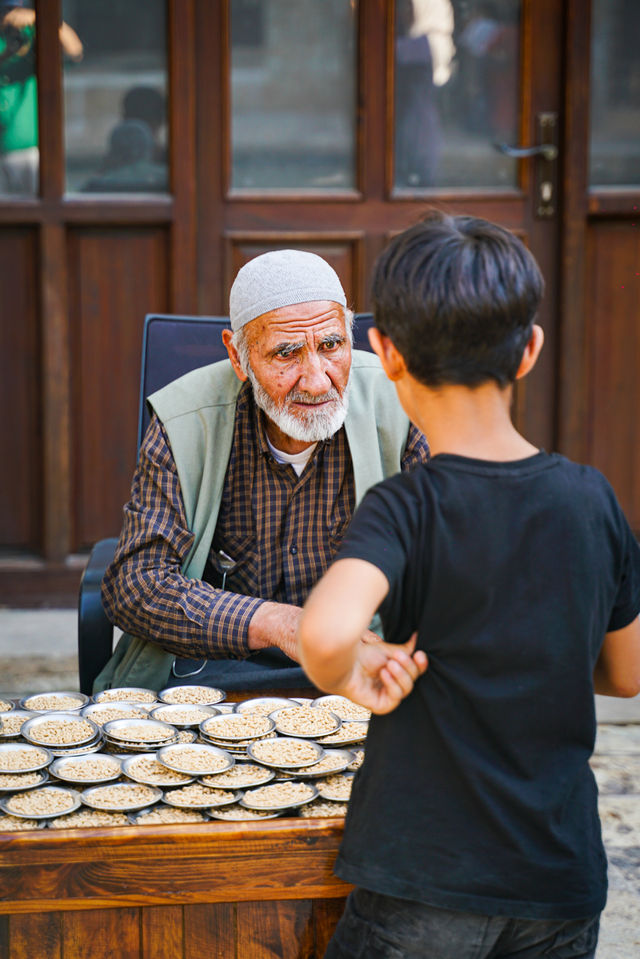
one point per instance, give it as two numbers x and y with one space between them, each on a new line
531 352
392 361
227 336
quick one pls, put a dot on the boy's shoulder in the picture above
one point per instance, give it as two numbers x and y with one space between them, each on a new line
551 474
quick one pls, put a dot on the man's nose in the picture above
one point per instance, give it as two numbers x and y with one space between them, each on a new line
314 377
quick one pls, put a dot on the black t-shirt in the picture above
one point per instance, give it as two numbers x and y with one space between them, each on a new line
476 793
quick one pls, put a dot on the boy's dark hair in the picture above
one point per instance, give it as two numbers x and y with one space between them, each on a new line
457 296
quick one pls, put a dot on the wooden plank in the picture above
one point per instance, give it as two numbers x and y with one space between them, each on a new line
56 398
213 862
20 479
26 583
210 931
34 935
212 140
182 140
326 914
50 105
572 371
614 392
101 934
162 932
116 276
275 930
4 937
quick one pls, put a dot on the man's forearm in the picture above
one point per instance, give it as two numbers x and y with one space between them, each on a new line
187 617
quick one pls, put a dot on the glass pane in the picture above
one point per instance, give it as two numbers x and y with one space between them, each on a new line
115 97
19 158
614 156
293 94
457 70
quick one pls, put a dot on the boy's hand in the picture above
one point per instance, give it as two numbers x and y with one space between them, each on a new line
383 674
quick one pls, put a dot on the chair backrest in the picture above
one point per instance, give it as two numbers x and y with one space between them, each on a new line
173 345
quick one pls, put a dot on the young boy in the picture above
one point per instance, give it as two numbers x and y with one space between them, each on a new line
473 828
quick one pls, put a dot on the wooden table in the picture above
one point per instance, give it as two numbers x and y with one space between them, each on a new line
216 890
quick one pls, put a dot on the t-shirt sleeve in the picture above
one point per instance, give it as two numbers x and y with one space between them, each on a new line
627 603
381 531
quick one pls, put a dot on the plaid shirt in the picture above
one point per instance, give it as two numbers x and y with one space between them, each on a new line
281 530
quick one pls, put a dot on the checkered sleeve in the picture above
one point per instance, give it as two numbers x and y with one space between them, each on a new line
416 451
144 591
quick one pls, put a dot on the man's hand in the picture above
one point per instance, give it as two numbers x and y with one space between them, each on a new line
275 624
383 674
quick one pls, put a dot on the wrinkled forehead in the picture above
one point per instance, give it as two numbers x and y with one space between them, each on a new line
300 321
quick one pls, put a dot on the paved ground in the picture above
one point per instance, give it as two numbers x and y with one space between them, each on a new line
38 653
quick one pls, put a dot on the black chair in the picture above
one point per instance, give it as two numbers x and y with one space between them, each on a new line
171 346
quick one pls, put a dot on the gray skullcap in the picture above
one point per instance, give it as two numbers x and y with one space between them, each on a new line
281 278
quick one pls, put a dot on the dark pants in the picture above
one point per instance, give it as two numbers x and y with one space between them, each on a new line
381 927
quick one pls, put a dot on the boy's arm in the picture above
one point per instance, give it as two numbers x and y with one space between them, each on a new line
617 671
330 639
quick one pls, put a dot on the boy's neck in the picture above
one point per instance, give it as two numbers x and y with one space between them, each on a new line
467 422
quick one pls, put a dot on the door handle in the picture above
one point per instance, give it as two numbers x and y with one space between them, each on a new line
546 173
547 150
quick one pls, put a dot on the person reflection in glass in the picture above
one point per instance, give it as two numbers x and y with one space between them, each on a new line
19 155
418 134
135 160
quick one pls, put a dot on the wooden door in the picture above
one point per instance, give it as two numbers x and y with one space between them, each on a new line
419 95
327 125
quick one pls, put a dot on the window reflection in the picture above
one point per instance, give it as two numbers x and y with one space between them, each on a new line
19 154
115 100
293 94
615 94
455 92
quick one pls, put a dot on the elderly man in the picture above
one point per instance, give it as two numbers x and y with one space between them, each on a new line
246 481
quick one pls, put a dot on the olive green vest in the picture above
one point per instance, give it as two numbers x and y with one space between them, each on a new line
198 415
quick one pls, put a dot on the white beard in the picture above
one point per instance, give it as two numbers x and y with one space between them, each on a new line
310 426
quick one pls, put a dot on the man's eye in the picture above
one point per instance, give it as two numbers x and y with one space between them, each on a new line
286 351
331 344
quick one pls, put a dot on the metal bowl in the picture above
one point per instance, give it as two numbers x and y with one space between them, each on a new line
41 757
343 707
285 728
191 695
58 702
254 751
127 694
174 797
327 791
231 814
141 818
174 713
41 774
264 704
254 775
62 768
124 732
131 772
7 720
249 801
177 757
222 728
73 795
342 757
32 730
97 798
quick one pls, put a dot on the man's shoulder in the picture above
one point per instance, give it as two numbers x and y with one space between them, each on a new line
368 377
215 385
